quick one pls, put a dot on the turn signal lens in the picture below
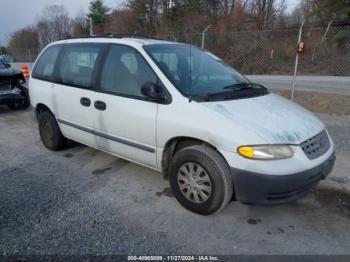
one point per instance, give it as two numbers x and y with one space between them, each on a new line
266 152
246 151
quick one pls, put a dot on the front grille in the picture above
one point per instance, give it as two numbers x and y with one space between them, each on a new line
5 86
316 146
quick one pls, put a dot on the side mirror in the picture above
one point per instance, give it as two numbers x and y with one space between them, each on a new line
153 91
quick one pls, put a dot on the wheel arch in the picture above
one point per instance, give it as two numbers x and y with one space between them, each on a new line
40 107
175 144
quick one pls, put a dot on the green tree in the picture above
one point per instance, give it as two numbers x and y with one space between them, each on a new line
98 12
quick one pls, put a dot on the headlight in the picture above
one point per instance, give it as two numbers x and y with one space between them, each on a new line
266 152
16 90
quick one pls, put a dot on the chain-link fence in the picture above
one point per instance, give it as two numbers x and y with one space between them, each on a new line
27 55
273 52
269 52
20 56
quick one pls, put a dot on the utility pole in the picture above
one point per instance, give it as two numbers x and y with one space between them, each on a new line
203 35
91 29
297 61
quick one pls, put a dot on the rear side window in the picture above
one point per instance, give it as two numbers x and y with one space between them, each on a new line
44 66
76 67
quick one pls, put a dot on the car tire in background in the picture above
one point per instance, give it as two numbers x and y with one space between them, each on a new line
50 132
200 179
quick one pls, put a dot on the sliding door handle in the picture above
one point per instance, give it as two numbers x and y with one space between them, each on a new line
99 105
85 101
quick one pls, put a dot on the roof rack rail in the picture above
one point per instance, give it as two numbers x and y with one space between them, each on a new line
114 35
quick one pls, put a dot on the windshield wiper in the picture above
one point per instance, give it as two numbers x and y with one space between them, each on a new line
209 95
242 86
230 89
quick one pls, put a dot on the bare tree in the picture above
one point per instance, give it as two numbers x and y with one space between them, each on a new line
79 24
23 44
45 33
121 21
54 24
264 11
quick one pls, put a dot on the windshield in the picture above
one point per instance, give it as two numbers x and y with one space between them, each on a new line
196 72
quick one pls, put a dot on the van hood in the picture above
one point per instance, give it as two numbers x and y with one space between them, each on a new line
271 117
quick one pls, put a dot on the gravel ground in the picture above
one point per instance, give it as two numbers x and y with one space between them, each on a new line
82 201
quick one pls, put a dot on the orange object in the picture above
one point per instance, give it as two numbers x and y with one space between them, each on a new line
25 71
301 47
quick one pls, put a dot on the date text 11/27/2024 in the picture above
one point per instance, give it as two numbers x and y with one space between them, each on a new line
173 258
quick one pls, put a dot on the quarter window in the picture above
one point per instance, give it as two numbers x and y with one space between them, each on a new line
44 66
125 71
77 65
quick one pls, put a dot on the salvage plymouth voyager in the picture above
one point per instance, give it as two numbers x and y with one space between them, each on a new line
183 111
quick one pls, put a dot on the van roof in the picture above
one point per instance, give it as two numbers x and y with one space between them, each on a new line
117 38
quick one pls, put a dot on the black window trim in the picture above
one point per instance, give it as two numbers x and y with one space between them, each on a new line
142 98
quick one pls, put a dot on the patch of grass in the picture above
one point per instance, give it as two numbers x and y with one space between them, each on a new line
319 102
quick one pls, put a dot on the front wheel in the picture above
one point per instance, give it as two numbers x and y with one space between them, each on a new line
201 180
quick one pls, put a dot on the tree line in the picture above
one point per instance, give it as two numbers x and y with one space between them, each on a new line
167 18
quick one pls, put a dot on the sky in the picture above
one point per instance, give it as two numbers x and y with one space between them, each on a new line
16 14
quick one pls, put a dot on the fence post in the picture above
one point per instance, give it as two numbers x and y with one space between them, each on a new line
203 35
296 61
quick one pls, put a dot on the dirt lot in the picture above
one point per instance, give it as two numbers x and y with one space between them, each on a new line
82 201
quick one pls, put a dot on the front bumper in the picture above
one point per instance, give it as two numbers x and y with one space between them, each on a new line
11 98
254 188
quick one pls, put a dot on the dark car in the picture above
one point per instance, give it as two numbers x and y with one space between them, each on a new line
12 91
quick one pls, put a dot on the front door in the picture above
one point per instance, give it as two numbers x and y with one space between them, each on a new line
125 122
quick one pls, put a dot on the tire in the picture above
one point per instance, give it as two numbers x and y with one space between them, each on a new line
50 132
212 179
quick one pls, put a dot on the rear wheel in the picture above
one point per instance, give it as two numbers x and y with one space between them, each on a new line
50 132
200 179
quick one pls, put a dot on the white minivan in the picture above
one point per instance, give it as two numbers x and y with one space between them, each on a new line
181 110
